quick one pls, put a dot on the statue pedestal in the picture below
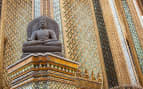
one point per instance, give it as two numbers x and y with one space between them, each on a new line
42 71
48 71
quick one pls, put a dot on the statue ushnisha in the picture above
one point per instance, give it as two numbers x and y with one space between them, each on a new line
43 36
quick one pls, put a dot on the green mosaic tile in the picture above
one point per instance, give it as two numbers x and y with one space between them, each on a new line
134 34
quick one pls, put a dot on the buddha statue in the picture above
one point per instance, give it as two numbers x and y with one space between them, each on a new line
43 36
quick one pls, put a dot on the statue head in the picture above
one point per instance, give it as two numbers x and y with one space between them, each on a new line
43 24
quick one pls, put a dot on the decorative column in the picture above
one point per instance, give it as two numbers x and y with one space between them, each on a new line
132 26
115 58
1 57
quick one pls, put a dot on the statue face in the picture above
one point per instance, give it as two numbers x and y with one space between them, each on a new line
43 24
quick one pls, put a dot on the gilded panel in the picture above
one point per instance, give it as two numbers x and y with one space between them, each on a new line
17 15
105 45
79 34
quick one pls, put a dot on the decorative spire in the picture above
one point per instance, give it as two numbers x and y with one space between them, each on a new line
99 77
86 75
78 73
93 76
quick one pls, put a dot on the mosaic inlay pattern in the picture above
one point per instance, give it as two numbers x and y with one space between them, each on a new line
47 85
58 85
134 34
36 85
17 15
80 32
108 59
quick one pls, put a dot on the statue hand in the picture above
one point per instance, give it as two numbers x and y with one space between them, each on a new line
42 40
50 40
29 39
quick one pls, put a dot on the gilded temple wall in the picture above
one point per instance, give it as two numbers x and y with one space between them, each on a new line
16 16
79 34
16 19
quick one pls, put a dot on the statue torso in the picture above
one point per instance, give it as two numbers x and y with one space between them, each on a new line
43 34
